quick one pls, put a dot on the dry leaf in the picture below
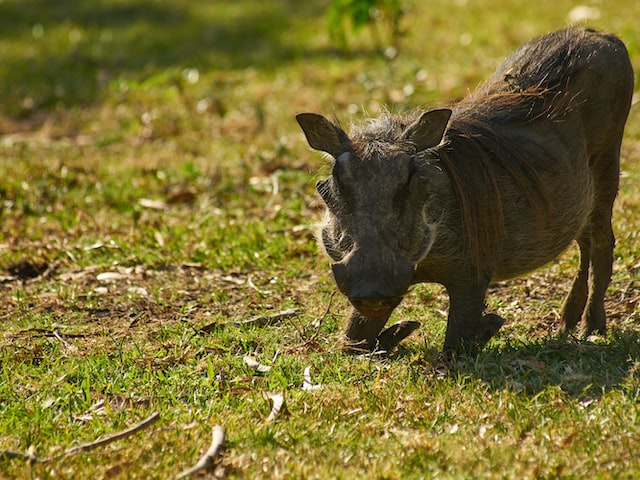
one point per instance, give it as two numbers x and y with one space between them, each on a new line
277 400
158 238
252 363
78 274
111 276
117 470
140 291
306 382
98 245
183 196
234 280
583 13
568 440
152 204
166 361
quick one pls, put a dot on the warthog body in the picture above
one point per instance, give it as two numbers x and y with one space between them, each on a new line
490 190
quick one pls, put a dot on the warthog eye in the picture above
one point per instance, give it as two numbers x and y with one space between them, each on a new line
404 191
341 168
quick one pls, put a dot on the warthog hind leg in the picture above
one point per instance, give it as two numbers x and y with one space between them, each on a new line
577 299
606 173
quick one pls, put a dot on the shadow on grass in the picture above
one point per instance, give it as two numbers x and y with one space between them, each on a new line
580 368
62 54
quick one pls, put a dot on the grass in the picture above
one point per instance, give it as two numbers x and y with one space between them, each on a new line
155 192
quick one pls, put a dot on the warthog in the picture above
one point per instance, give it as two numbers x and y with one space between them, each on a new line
491 189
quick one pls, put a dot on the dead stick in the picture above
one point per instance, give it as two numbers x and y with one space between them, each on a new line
84 447
264 320
118 436
324 315
317 323
24 456
208 459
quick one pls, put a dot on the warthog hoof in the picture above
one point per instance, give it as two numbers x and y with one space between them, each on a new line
392 336
489 326
474 339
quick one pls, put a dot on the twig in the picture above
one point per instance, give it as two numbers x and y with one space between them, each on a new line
136 319
25 456
258 321
275 189
293 324
264 320
112 438
209 458
30 455
317 324
45 332
66 344
263 293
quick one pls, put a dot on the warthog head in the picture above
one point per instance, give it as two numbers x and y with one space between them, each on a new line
378 225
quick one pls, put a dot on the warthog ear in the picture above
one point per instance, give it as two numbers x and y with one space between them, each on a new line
323 135
427 131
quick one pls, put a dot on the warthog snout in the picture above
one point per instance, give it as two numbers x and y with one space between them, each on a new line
372 285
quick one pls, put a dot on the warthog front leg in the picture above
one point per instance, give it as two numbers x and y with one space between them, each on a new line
365 334
468 330
362 332
475 337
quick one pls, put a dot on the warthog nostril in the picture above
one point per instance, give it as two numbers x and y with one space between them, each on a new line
374 303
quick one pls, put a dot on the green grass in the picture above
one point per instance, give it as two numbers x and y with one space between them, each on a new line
155 190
